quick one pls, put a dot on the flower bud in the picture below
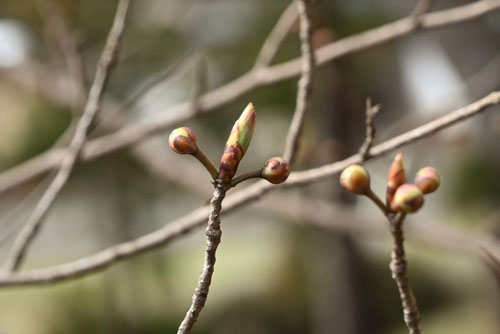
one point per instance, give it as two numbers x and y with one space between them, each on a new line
408 198
237 143
183 141
276 170
428 179
355 179
396 178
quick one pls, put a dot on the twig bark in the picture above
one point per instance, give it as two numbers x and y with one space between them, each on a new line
277 36
151 125
213 233
371 113
196 218
399 270
305 82
106 61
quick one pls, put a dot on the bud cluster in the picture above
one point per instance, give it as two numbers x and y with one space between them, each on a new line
400 195
276 170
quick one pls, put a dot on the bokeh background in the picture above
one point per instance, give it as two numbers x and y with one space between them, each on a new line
277 270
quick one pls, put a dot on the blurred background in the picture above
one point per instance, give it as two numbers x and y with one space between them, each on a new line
303 260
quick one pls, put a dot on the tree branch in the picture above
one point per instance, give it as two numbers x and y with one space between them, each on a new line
305 82
196 218
34 222
213 239
399 269
153 124
277 36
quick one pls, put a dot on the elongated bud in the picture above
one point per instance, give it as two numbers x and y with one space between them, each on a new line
237 143
355 179
276 170
408 198
396 178
428 179
183 141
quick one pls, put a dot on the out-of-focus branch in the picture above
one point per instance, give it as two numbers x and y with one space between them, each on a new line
189 222
305 82
106 61
277 36
153 124
69 48
371 113
422 7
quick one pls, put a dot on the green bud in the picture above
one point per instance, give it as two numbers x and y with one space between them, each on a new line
355 179
428 179
183 141
276 170
408 198
237 143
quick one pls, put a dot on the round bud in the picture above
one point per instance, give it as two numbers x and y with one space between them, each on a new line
408 198
183 141
276 170
428 179
355 179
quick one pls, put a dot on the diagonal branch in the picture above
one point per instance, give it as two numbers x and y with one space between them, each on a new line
277 36
196 218
305 82
108 58
155 123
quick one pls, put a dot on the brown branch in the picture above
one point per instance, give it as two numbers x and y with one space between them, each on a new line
399 269
305 82
371 113
34 222
277 36
213 239
153 124
422 7
196 218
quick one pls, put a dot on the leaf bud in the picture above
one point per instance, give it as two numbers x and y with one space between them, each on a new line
237 143
183 141
276 170
428 179
355 179
396 177
408 198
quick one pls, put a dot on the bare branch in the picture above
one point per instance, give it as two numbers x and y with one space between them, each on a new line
305 82
371 113
214 234
69 48
34 222
189 222
399 270
277 36
153 124
420 9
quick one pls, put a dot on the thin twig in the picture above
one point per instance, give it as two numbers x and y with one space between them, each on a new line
277 36
213 233
196 218
420 9
199 85
108 57
371 113
305 82
399 269
158 122
69 47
